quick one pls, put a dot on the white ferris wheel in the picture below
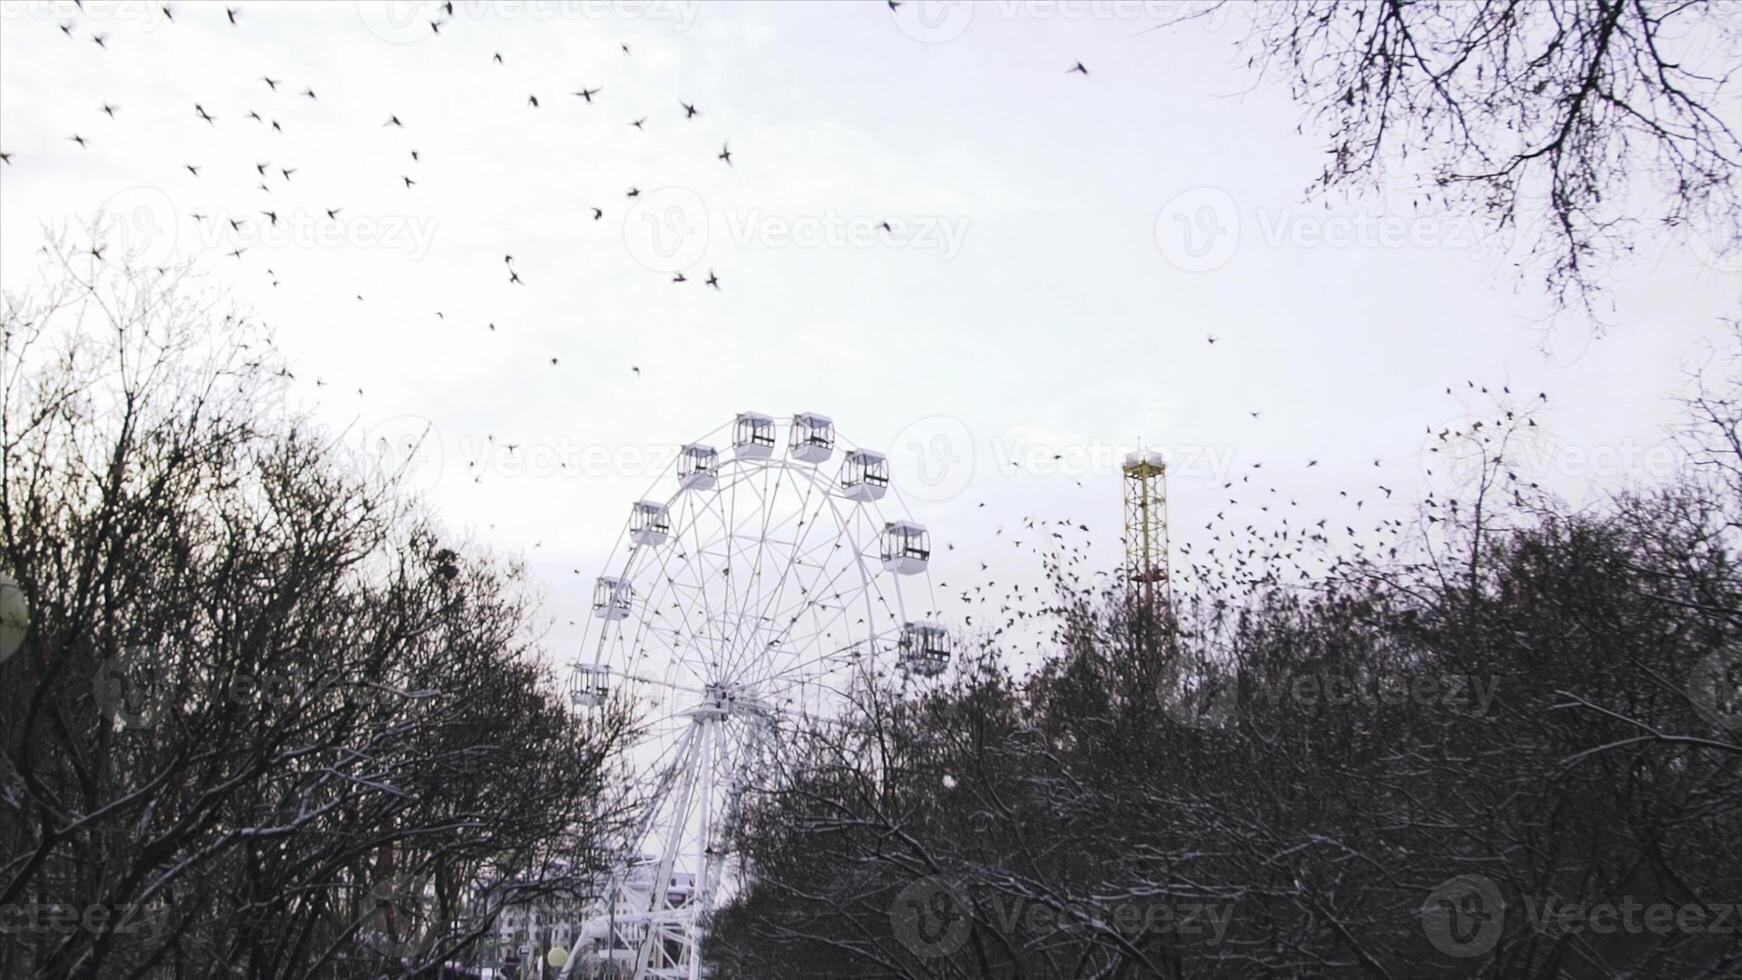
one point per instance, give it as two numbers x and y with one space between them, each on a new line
771 582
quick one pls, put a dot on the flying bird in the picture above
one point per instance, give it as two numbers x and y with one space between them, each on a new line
689 111
1078 68
725 154
587 93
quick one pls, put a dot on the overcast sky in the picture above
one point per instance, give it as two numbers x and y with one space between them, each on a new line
1060 249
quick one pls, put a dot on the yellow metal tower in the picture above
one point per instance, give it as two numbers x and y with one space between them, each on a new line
1146 529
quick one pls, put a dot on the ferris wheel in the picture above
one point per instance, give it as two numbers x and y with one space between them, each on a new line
763 583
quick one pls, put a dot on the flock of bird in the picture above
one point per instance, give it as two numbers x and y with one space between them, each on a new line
1233 554
1241 554
272 180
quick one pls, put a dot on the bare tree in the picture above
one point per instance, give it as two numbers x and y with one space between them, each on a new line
1570 125
268 717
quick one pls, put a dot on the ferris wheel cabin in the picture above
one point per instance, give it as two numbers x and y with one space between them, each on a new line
812 439
649 523
906 547
698 467
865 477
753 436
592 686
612 597
924 648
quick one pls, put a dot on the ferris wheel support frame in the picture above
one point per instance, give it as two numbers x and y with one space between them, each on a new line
750 661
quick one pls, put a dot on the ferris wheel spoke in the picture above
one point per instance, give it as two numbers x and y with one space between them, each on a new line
769 626
756 605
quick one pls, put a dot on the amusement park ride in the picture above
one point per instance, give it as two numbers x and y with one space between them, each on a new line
777 574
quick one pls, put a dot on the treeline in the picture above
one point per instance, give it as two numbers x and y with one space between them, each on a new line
267 720
1514 752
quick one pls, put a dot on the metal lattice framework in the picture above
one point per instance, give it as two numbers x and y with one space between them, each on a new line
1146 560
777 576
